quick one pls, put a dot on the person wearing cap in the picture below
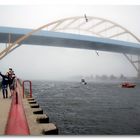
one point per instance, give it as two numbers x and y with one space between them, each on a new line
10 72
13 82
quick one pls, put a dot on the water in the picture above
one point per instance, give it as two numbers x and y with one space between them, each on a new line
92 109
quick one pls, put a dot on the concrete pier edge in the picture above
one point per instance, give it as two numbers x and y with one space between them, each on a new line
38 122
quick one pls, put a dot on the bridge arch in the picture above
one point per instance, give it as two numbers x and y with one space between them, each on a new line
84 25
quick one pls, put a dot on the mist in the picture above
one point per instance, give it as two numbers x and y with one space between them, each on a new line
57 63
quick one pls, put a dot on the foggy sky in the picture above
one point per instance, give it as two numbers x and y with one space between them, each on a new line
54 63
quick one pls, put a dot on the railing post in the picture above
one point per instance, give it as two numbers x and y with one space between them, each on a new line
23 89
16 97
30 89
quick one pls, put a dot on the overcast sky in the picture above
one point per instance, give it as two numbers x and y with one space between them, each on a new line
43 62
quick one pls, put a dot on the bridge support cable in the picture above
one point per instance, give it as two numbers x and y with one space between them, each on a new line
135 63
138 74
7 52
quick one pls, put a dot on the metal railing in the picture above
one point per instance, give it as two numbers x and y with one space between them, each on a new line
23 86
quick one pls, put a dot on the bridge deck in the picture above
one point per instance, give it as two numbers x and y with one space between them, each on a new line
59 39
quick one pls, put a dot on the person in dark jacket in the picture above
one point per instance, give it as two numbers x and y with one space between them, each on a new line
4 83
12 81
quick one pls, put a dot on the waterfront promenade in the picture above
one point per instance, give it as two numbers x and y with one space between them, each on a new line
19 117
4 112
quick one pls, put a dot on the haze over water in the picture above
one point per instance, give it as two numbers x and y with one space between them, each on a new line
92 109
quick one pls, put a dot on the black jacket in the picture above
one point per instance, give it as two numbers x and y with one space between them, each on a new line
5 79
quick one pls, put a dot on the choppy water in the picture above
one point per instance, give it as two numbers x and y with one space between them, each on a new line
92 109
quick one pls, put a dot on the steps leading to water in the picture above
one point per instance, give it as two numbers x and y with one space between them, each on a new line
38 122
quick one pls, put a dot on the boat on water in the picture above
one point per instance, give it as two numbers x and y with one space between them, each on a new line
128 85
83 81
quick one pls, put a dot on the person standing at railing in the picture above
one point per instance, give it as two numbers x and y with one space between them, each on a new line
5 80
12 80
13 83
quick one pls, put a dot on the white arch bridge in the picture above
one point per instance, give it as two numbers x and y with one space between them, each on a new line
76 32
